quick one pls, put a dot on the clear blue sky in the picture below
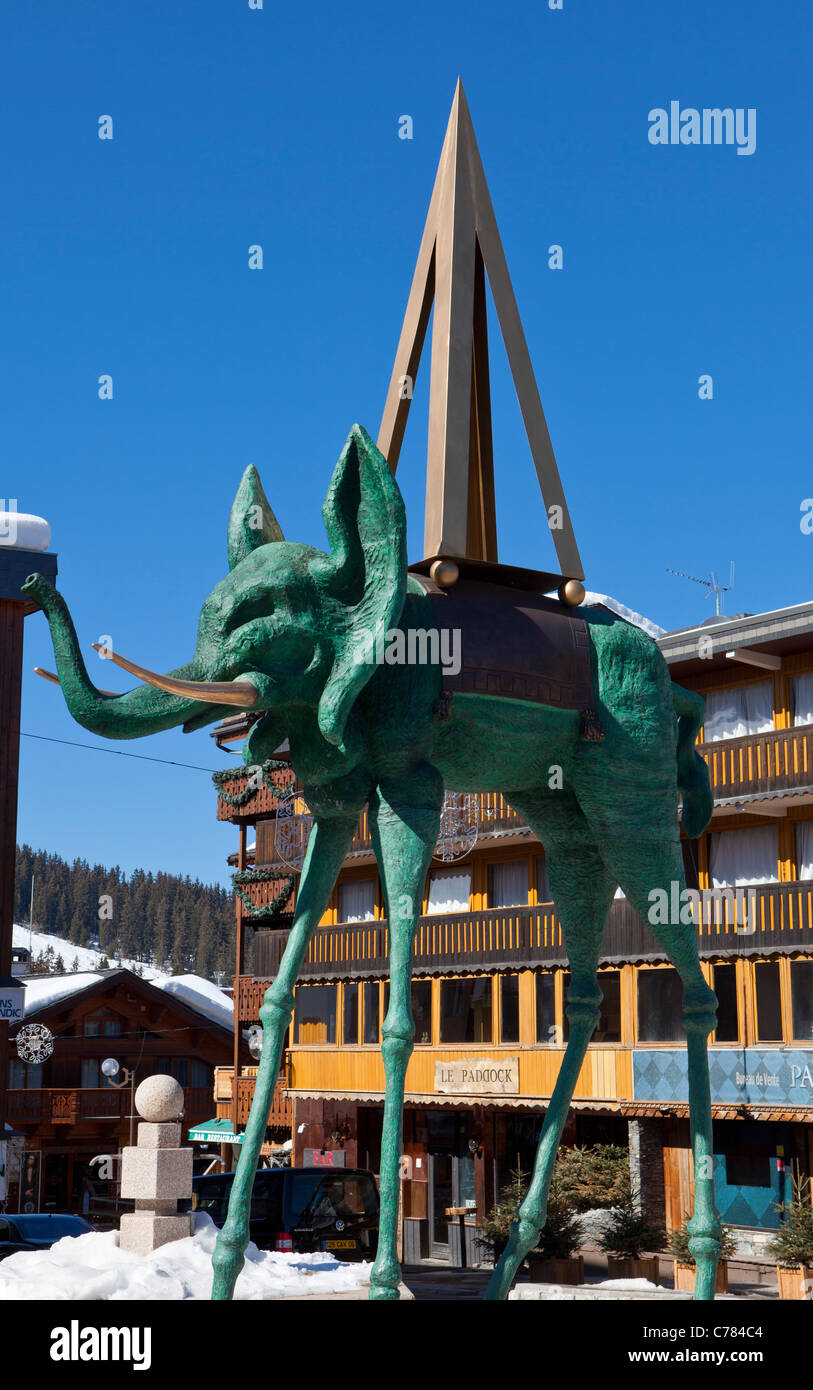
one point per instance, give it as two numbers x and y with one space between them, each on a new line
280 127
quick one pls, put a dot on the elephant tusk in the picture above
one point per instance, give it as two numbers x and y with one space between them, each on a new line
50 676
241 693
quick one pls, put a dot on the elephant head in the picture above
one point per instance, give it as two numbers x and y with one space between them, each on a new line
288 626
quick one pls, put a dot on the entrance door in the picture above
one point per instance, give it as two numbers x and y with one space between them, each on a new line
441 1196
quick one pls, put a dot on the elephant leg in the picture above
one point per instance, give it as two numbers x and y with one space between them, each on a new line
329 842
582 889
656 865
404 820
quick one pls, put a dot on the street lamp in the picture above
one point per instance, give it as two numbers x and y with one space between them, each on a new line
111 1068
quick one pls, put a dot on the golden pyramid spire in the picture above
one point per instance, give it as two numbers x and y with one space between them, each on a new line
459 246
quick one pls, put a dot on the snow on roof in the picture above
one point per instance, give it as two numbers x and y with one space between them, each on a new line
200 994
45 990
23 531
592 600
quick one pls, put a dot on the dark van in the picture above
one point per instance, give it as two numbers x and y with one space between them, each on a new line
302 1209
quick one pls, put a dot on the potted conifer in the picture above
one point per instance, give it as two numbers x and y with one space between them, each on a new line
792 1246
555 1261
629 1234
685 1267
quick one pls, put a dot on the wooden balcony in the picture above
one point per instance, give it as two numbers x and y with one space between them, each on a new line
281 1114
780 760
524 937
72 1105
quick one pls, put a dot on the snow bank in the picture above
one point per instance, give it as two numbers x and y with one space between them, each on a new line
92 1267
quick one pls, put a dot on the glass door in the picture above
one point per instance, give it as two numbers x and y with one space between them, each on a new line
441 1196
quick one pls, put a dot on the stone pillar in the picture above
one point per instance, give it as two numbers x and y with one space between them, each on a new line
646 1167
157 1170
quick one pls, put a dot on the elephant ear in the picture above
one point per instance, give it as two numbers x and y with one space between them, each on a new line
364 579
252 522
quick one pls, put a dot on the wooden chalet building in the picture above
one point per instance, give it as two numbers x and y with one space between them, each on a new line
490 976
65 1113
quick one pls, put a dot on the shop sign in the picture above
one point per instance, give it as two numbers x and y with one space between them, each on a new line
478 1076
323 1158
12 1003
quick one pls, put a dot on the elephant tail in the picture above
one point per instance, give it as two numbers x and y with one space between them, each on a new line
692 770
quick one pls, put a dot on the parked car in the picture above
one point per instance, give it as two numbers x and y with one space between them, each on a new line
302 1209
38 1232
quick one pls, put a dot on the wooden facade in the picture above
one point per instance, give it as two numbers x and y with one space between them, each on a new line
751 945
67 1114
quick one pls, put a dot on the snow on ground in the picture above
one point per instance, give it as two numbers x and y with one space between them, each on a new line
87 956
44 990
92 1267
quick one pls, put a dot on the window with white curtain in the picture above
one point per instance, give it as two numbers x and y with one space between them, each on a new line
742 857
449 890
357 901
744 709
804 849
801 698
508 884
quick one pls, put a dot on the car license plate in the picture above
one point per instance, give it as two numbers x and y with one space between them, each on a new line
340 1245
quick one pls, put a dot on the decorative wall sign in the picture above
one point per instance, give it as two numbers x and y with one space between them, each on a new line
292 830
478 1076
459 826
12 1003
752 1076
35 1043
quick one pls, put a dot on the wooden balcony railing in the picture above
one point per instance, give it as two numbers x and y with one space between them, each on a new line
770 917
281 1114
778 760
70 1105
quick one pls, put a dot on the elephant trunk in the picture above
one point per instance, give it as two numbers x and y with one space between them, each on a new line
144 710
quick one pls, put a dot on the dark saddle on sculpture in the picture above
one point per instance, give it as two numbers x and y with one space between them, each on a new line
515 643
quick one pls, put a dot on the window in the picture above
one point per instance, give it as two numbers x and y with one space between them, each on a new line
743 857
350 1033
748 1167
725 987
449 891
769 1001
804 849
801 699
509 1007
543 893
315 1014
508 884
200 1073
372 991
422 1010
744 709
801 999
465 1010
25 1075
421 997
608 1028
103 1025
660 1000
357 901
546 1008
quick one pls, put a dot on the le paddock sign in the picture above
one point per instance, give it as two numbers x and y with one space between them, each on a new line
478 1076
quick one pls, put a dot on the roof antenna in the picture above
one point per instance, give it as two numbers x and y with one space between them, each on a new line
711 584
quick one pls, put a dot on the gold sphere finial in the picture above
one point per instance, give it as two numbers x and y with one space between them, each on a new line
572 592
444 573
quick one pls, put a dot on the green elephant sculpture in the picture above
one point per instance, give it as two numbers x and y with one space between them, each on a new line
288 634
